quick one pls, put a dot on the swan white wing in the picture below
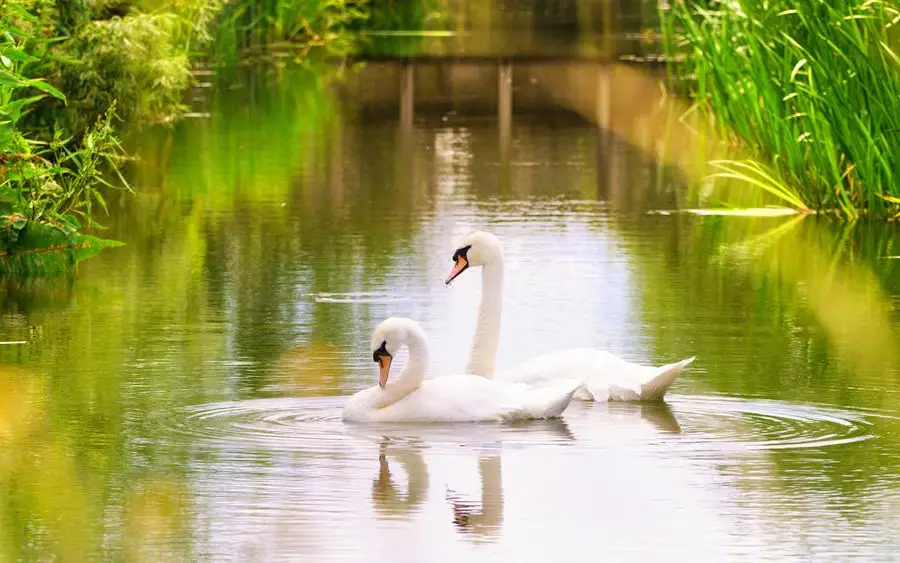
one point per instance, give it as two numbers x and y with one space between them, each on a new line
465 398
606 376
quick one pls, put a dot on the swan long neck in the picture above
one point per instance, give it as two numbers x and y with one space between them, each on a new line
413 372
487 327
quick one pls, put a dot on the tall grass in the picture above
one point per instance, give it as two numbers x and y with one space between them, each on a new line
254 24
809 90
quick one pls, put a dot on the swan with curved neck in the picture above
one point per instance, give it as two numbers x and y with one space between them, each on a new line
606 376
453 398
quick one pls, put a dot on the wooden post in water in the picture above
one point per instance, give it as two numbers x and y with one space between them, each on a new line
604 97
603 117
406 162
504 119
407 95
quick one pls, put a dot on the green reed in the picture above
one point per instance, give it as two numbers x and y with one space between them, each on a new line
809 92
253 24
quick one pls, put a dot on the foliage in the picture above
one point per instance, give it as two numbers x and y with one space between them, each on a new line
809 89
104 59
134 61
255 24
47 188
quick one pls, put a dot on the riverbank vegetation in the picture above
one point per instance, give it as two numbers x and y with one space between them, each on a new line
71 71
807 91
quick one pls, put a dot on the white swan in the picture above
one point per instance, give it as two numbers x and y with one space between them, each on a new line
606 376
452 398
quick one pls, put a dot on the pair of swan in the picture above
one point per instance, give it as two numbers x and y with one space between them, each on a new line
538 388
452 398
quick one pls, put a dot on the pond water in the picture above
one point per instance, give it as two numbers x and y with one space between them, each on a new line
179 398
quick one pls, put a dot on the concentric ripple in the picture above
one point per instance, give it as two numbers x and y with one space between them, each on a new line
281 423
708 423
763 424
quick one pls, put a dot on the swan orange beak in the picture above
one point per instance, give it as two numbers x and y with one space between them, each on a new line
385 363
458 268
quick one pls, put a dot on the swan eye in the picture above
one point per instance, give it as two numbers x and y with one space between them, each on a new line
381 351
461 252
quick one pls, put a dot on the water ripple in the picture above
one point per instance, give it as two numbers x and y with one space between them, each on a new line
695 423
725 422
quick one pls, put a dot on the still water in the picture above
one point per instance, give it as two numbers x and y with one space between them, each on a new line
179 398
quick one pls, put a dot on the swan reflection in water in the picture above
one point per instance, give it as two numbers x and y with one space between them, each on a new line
659 415
406 445
479 519
386 497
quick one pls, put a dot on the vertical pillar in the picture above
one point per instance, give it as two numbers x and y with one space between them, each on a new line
407 95
504 119
406 160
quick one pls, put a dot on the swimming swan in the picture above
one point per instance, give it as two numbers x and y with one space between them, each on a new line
606 376
452 398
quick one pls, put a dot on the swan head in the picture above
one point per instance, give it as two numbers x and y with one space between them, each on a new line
475 249
387 339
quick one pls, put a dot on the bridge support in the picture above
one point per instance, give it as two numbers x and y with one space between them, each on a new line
504 101
407 95
504 120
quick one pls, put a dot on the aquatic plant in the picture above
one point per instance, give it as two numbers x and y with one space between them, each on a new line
808 91
47 188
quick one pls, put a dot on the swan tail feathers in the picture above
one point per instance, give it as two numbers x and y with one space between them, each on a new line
655 389
550 401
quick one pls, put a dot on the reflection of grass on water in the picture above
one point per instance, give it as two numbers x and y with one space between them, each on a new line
247 150
809 90
802 301
262 200
60 478
791 272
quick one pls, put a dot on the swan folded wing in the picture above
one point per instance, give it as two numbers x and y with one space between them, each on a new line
606 376
553 366
469 398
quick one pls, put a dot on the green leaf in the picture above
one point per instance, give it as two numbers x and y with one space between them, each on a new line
44 87
10 79
797 68
18 55
23 13
890 52
13 31
14 109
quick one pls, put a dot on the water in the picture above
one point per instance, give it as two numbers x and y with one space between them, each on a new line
179 398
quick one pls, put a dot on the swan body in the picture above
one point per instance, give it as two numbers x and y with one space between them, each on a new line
605 376
453 398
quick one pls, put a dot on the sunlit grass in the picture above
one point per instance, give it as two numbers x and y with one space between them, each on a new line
809 90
